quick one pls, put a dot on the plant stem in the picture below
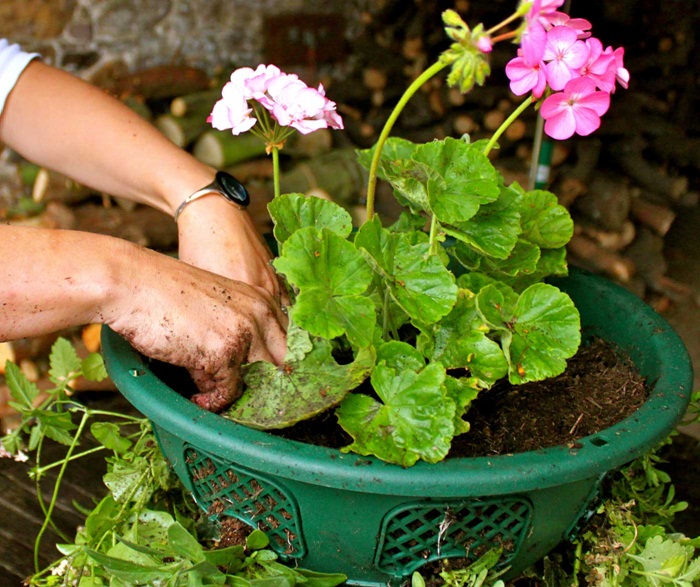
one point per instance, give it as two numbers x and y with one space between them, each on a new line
434 230
506 123
388 125
42 470
276 169
516 15
57 485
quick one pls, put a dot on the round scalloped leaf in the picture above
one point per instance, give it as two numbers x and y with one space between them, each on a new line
278 397
544 221
290 212
415 420
462 179
546 330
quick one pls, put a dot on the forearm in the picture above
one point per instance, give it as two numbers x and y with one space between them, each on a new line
54 279
61 122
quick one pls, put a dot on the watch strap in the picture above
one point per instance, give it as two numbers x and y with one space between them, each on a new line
217 187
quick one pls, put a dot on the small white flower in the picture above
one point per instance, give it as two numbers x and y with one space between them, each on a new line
21 457
60 569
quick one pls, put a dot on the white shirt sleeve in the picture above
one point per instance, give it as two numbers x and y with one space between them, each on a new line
12 63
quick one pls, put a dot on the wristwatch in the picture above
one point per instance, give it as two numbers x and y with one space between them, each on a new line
224 184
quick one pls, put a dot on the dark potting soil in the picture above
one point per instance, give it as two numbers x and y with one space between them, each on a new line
599 388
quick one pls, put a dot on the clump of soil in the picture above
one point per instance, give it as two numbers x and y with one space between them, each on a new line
598 389
232 532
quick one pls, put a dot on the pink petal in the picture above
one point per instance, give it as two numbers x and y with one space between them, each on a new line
587 120
561 126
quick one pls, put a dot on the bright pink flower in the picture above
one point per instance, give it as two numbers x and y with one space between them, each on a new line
533 42
575 110
549 6
564 55
525 78
534 36
600 66
621 74
580 25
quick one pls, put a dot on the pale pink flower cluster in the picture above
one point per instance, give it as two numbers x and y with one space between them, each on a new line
289 101
559 53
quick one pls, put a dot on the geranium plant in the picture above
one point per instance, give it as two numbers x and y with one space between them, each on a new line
450 298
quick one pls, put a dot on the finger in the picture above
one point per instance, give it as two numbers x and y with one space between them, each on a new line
217 392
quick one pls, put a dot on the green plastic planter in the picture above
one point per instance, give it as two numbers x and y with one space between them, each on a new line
376 522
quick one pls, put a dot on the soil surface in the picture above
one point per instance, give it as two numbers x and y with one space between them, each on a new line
598 389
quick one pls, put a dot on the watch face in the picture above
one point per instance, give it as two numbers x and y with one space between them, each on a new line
233 189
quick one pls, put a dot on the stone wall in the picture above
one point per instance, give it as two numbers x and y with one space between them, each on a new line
86 36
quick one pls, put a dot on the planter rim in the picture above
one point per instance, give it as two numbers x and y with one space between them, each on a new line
486 475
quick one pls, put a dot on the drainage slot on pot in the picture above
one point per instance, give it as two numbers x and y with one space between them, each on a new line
599 442
137 372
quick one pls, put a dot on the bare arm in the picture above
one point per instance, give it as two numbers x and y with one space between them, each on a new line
64 123
167 309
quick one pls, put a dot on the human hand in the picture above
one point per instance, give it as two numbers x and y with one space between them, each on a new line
204 322
214 235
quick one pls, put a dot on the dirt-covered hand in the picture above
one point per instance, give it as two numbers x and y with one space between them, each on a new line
202 321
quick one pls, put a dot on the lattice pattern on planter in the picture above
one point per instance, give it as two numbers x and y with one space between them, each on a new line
412 535
221 488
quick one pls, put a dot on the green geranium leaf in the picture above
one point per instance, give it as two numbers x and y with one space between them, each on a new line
546 331
330 275
544 221
277 397
495 228
395 149
523 259
330 316
414 418
418 281
409 222
299 343
551 262
400 356
538 333
462 391
495 303
290 212
459 340
462 179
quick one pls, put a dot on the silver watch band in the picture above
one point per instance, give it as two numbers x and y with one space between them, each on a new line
213 189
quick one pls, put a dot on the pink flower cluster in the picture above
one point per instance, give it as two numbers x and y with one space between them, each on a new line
289 101
559 53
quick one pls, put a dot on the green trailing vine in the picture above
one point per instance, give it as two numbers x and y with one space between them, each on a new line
147 530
